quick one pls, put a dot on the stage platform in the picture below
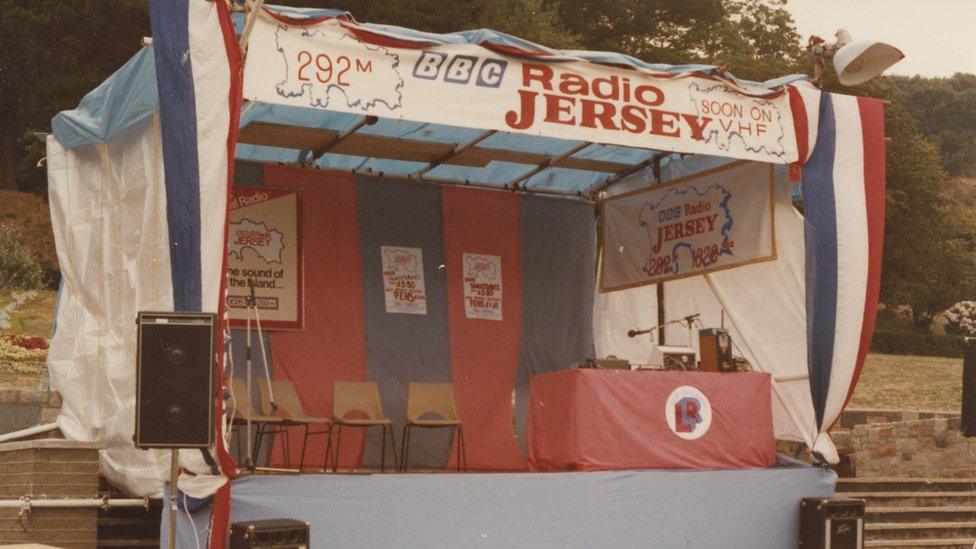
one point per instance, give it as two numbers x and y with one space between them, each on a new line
649 508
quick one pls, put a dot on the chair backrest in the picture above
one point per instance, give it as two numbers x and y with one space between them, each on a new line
356 396
239 405
431 398
285 396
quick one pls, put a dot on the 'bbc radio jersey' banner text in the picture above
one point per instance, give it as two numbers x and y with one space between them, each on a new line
264 249
403 280
716 220
482 286
325 65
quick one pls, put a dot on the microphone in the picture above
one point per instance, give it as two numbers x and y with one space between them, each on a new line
250 285
632 333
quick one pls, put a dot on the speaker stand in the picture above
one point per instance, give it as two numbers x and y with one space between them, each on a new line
174 478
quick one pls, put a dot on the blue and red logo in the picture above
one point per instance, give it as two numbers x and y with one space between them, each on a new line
688 412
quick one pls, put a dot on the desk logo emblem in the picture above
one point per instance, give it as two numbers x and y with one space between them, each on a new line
688 412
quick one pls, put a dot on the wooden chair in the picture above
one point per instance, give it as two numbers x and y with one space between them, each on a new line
242 412
431 399
359 398
286 398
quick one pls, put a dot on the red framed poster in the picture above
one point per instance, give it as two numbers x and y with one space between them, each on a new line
264 251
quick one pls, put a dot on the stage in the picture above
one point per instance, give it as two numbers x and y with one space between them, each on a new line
744 508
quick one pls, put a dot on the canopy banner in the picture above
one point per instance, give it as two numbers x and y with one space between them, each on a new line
714 220
328 65
264 251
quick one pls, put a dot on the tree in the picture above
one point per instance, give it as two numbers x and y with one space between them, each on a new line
928 254
529 19
756 39
945 109
52 52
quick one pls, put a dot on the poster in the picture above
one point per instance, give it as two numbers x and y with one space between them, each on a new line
482 286
333 65
714 220
264 249
403 280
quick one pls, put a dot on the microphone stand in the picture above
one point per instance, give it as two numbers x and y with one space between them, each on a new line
687 321
252 311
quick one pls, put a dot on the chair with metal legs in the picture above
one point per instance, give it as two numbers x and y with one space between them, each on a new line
432 399
357 404
287 401
242 413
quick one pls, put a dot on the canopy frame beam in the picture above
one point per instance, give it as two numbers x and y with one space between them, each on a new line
514 184
458 149
367 120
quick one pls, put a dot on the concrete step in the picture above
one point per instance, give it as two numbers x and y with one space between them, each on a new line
883 484
920 530
876 515
959 543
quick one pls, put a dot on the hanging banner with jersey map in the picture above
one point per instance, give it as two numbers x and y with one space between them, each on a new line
264 251
715 220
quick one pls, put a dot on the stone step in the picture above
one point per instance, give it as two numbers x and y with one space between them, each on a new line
946 543
876 515
891 484
920 530
915 499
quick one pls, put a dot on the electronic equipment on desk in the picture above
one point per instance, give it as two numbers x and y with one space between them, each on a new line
670 357
715 346
609 363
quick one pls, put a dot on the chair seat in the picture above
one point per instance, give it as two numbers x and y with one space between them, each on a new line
258 419
435 422
310 420
362 421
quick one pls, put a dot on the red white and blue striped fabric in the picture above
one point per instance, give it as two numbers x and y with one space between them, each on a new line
843 200
198 76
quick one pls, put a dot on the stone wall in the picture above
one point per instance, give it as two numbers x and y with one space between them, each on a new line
924 448
49 469
20 409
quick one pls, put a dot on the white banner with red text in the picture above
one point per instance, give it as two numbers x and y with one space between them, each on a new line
715 220
327 65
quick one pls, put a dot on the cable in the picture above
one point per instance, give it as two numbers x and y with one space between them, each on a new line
196 533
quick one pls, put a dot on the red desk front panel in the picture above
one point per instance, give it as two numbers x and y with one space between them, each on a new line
593 420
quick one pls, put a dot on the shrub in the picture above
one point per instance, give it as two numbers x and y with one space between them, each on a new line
18 267
922 344
961 318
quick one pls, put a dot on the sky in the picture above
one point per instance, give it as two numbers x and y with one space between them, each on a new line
938 37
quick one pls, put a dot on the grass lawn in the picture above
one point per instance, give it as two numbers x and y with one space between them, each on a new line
902 382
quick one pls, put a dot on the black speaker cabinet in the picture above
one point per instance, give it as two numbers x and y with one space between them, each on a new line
969 389
175 380
274 533
831 523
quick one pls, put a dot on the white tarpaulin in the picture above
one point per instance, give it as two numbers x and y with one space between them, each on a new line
329 65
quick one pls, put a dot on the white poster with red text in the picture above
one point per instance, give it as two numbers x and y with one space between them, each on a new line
403 280
715 220
264 254
482 286
328 65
